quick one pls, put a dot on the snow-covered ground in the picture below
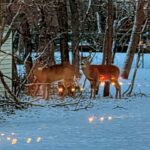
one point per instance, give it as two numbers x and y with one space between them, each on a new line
107 123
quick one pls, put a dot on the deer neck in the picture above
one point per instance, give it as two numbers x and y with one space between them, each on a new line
87 72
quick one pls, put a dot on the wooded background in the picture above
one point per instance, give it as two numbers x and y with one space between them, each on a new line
43 27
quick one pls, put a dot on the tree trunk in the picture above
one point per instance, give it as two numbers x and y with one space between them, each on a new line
75 34
63 26
108 42
25 30
114 42
1 1
134 39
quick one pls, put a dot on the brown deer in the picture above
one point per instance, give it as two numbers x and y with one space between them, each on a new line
46 75
96 74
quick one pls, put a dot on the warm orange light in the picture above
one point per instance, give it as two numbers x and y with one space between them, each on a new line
113 83
102 78
102 83
113 78
14 141
60 89
73 89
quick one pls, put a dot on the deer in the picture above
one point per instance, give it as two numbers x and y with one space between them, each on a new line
46 75
96 74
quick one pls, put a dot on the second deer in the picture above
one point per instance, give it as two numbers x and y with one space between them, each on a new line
96 74
47 75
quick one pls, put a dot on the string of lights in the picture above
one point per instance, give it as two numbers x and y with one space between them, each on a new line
13 139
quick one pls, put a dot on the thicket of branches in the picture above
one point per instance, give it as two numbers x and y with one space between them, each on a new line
44 26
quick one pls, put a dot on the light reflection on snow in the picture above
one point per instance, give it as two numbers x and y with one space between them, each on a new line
2 134
28 140
109 118
14 141
102 83
12 133
38 139
8 138
121 83
91 119
101 119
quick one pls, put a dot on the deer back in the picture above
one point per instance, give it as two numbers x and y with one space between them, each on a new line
108 72
54 73
101 72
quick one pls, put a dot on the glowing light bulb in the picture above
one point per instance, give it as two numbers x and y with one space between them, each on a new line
101 119
60 89
81 89
73 89
113 83
120 83
2 134
14 141
38 139
110 118
28 140
91 119
12 133
103 83
8 138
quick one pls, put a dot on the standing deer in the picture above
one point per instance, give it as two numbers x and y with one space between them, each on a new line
46 75
101 73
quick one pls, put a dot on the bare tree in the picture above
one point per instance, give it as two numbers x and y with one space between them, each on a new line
75 34
134 39
107 47
62 17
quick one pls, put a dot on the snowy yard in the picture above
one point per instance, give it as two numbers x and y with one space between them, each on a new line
109 124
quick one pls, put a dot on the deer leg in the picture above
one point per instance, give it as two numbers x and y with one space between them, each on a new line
46 92
118 89
33 88
91 96
116 96
97 87
36 90
94 89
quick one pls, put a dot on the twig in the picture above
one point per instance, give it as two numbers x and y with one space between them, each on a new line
120 107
